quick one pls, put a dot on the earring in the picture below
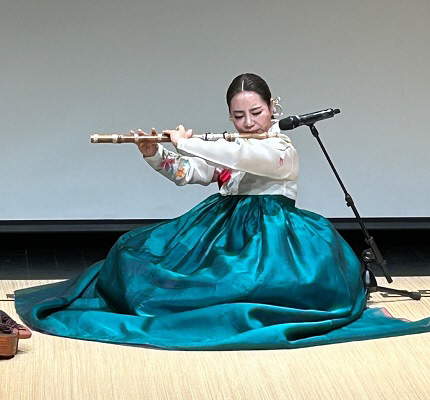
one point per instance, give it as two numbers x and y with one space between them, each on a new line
277 108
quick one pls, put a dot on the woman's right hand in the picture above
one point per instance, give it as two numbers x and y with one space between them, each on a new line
147 149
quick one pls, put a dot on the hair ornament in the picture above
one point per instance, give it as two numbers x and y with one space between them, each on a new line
277 108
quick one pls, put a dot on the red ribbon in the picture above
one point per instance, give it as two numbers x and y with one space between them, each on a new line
223 177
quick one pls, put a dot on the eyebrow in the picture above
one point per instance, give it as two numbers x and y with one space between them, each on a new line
251 109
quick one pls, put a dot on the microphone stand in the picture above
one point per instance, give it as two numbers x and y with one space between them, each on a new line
372 254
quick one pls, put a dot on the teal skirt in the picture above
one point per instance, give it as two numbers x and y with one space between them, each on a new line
235 272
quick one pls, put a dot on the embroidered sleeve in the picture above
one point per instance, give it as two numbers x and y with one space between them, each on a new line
275 157
180 169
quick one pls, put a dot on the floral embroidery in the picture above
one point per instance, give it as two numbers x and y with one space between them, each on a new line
182 169
180 173
167 164
281 158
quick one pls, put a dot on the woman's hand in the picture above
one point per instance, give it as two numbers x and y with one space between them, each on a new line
178 133
147 149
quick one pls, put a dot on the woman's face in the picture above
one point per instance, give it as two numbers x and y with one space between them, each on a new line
250 113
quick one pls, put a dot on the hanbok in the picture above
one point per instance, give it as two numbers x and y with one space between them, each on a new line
244 269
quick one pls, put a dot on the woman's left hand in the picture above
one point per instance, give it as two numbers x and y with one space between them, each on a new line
178 133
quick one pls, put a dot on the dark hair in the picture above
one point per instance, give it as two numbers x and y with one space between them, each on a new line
251 83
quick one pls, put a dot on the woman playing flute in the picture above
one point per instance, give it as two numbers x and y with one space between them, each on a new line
245 167
244 269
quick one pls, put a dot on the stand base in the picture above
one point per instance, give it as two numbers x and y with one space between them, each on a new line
371 286
412 295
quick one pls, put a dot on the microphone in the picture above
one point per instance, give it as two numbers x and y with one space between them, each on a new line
295 121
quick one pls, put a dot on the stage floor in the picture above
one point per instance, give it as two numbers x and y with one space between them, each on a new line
48 367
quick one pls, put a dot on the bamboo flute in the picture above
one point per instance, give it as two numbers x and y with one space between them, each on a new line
159 138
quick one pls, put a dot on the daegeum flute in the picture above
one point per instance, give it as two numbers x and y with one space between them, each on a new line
158 138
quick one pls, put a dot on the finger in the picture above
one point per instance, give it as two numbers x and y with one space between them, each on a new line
141 144
153 132
189 133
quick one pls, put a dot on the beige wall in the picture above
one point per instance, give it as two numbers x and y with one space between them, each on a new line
72 68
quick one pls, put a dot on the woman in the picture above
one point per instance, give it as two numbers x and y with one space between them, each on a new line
244 269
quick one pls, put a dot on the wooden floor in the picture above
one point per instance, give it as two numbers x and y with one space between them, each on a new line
48 367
